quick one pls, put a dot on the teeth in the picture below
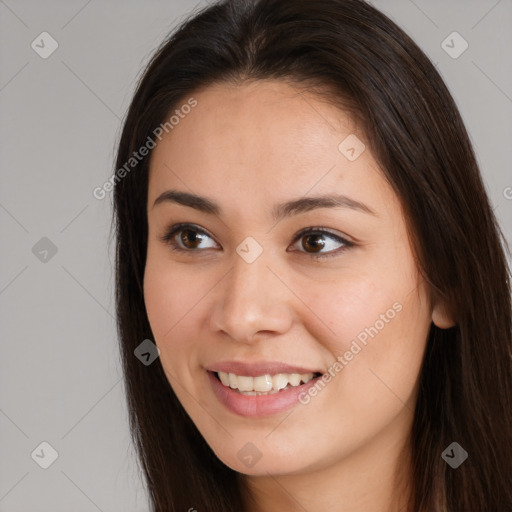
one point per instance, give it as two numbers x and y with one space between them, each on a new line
294 379
224 378
245 383
263 384
279 381
233 381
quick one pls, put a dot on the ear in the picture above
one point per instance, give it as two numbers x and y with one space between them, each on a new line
441 316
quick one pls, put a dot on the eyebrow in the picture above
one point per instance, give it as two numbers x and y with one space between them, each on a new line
279 212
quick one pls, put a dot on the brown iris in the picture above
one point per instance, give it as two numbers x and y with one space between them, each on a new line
317 245
190 236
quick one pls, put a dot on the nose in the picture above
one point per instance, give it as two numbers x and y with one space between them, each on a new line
252 301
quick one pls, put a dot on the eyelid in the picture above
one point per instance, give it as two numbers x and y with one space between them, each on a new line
323 231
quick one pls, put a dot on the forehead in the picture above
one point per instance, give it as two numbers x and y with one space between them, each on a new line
239 122
262 139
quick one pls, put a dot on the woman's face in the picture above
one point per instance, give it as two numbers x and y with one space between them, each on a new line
247 294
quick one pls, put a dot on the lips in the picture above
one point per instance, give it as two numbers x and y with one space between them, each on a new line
257 406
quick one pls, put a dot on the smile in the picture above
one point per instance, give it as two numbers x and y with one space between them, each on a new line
263 384
239 393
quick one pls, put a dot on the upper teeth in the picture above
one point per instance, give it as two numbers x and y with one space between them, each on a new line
263 382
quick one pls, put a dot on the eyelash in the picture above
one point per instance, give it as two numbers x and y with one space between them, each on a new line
175 229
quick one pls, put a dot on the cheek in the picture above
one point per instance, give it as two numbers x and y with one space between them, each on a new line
378 321
160 300
380 343
170 299
348 306
172 307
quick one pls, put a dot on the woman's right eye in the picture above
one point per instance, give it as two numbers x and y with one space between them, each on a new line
185 237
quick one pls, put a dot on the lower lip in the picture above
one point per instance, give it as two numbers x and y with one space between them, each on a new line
258 405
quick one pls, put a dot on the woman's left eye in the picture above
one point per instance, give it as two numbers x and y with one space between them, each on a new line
313 238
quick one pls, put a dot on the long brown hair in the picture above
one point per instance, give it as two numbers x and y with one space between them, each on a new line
374 70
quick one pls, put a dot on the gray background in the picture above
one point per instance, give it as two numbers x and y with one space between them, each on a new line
60 377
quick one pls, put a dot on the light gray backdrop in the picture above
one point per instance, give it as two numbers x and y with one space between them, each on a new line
60 377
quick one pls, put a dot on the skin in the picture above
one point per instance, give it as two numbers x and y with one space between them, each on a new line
248 147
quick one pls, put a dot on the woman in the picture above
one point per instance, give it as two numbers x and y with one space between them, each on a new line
303 232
